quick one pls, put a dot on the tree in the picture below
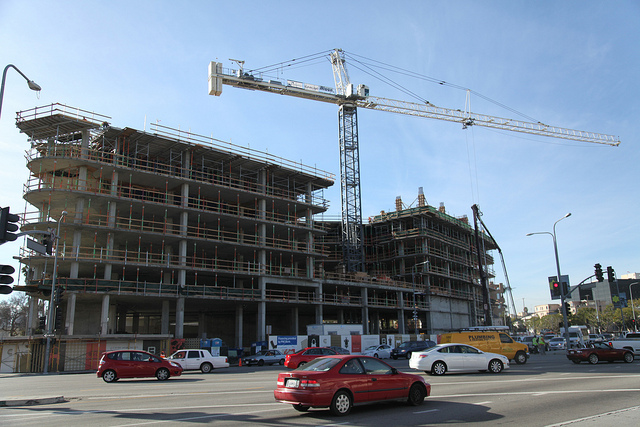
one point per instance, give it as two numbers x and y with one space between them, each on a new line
13 315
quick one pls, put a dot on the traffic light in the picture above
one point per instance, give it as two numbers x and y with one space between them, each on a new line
7 226
47 242
567 309
57 295
599 276
42 322
58 318
554 287
610 274
5 279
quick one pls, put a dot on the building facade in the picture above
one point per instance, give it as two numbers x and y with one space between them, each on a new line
172 234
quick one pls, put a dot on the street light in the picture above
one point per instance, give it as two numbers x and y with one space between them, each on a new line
562 295
413 283
633 308
32 85
51 302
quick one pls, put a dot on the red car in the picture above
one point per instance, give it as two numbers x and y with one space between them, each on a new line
342 381
306 355
135 364
598 351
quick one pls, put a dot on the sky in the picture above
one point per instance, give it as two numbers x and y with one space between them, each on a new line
572 64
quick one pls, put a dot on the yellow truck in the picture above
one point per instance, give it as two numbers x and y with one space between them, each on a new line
491 339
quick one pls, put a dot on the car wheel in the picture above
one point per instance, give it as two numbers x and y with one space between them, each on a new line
341 403
521 358
408 355
260 362
206 368
628 357
301 364
376 355
593 358
438 368
495 366
162 374
576 361
300 408
281 362
394 357
109 376
417 394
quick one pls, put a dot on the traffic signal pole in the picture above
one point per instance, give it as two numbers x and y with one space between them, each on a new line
50 314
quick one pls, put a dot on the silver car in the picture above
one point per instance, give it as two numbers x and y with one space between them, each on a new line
557 343
270 357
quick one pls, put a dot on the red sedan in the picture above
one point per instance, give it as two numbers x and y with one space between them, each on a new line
598 351
306 355
135 364
342 381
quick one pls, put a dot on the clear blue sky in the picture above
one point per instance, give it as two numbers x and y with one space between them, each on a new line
572 64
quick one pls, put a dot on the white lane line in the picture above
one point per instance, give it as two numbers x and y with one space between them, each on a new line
592 417
424 412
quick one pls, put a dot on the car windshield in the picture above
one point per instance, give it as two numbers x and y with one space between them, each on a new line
431 349
373 347
321 364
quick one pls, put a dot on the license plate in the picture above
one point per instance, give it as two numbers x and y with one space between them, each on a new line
292 383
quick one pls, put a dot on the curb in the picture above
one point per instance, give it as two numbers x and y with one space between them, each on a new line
31 402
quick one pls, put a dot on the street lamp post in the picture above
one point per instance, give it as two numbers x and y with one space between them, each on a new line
562 295
32 85
633 308
413 283
51 298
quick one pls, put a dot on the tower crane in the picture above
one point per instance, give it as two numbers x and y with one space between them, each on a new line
349 98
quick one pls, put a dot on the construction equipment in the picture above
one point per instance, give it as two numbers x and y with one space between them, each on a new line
349 98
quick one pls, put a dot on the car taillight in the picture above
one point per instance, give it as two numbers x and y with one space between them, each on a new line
226 360
309 383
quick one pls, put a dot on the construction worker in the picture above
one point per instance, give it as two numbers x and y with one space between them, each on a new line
542 345
534 343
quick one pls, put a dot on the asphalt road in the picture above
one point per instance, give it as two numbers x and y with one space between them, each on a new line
548 390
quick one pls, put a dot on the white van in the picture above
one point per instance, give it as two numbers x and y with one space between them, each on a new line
576 339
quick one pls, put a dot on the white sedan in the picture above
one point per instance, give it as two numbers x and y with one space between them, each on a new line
457 358
198 359
380 351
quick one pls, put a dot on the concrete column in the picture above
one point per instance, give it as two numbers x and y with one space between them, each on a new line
71 312
239 324
179 333
113 318
104 316
262 310
401 327
319 312
77 234
365 310
295 313
111 222
164 323
121 322
32 319
202 325
135 326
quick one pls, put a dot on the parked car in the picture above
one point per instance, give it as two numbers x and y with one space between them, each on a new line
194 359
557 343
340 350
597 351
342 381
306 355
269 357
382 351
455 357
406 348
596 338
528 340
135 364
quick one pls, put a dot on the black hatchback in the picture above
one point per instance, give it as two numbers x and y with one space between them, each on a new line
406 348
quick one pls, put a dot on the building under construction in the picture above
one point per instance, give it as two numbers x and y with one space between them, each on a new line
169 234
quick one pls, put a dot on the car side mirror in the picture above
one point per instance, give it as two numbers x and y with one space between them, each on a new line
394 371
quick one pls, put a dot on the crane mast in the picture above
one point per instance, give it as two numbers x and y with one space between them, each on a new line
349 99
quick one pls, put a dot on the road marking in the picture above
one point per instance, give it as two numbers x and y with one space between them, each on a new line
483 403
592 417
424 412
